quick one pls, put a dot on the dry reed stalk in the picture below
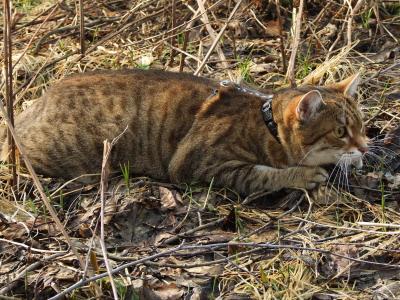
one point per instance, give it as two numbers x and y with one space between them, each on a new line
36 19
353 12
183 52
173 25
282 41
327 66
217 38
35 34
290 75
9 96
82 28
213 35
189 25
105 171
183 55
124 27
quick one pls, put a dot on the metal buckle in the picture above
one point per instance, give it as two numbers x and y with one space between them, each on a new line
266 106
225 83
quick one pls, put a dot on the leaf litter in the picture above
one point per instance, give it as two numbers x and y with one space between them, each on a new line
338 242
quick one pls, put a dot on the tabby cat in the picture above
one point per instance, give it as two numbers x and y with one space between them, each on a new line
183 128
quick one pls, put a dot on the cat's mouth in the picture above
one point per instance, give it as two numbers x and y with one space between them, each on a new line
352 159
335 157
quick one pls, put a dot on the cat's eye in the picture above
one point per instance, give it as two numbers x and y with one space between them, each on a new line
340 131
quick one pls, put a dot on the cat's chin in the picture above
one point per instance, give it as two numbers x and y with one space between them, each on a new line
354 160
358 164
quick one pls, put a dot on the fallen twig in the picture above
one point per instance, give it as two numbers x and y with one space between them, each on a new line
29 268
213 36
71 28
81 28
290 75
31 248
353 12
217 38
191 231
9 97
214 246
105 170
282 41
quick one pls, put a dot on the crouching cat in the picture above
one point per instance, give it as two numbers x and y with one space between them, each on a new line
183 128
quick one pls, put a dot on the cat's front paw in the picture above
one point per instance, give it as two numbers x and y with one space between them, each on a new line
309 177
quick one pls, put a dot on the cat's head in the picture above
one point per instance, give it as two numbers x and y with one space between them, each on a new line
323 125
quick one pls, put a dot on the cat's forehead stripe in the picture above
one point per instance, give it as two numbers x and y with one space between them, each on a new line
355 113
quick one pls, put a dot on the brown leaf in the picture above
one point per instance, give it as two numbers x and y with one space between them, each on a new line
169 292
272 28
170 199
207 270
161 237
340 264
237 29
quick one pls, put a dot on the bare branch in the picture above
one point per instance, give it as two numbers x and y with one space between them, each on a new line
217 38
290 75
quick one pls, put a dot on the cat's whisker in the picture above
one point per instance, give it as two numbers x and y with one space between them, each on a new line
364 158
344 172
384 135
337 166
347 165
173 148
379 160
304 157
343 180
383 149
381 156
384 142
340 183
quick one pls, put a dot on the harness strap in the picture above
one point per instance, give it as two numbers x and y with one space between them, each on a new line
266 108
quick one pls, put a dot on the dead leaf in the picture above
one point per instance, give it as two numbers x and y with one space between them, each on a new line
12 212
237 29
262 68
390 291
272 28
338 264
144 292
169 292
161 237
170 199
207 270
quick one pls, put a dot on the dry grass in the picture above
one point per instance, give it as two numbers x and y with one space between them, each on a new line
269 249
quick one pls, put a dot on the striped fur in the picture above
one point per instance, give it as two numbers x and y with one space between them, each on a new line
179 129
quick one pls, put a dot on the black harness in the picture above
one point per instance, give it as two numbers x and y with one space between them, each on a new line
266 108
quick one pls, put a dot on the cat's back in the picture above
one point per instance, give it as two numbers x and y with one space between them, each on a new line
63 132
110 88
114 96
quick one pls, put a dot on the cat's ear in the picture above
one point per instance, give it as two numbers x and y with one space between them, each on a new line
348 86
309 105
